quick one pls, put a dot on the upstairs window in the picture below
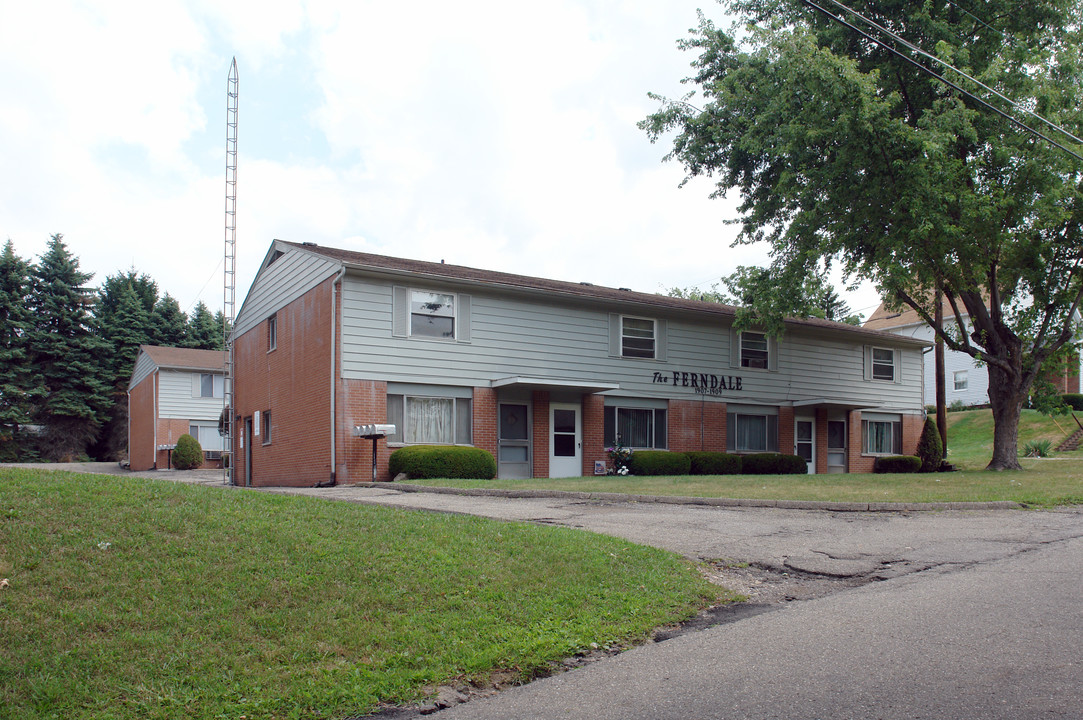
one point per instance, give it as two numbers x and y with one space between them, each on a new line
883 364
208 385
754 350
637 337
432 315
272 332
961 381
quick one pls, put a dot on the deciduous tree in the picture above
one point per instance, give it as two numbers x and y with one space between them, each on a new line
844 152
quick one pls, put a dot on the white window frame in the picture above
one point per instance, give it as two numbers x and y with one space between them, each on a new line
659 416
272 332
454 305
874 364
960 380
203 434
266 422
460 407
216 381
770 420
625 336
753 362
894 428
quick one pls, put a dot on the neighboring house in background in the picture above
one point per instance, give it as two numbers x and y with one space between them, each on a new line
543 374
174 391
966 382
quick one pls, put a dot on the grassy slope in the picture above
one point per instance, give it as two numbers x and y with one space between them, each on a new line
146 599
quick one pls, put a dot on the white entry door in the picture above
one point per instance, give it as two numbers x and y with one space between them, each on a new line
565 440
805 442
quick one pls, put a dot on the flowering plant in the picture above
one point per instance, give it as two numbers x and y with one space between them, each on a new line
619 455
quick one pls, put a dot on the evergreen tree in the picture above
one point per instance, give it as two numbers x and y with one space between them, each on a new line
169 325
66 355
223 327
203 331
125 327
144 287
17 381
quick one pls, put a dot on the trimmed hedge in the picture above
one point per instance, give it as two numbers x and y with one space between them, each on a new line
773 464
897 464
714 463
658 462
442 461
187 455
1073 400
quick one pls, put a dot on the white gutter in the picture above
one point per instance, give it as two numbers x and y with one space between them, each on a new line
334 372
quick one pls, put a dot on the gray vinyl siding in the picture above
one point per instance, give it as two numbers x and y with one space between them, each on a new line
546 337
143 367
286 279
176 401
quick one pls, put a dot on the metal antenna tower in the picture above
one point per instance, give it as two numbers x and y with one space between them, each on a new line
229 299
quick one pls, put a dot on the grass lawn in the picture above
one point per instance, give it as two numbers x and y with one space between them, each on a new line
135 598
1044 482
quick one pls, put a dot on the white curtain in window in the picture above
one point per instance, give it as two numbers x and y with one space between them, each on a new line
430 420
635 428
751 432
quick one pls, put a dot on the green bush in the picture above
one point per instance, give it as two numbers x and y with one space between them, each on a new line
897 464
1073 400
658 462
930 447
442 461
187 455
714 463
773 464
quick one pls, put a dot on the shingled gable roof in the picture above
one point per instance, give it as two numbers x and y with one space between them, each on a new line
185 358
372 262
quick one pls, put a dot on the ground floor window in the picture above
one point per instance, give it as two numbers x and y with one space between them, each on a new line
881 437
748 432
429 420
643 428
206 432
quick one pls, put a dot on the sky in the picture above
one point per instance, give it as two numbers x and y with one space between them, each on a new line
497 135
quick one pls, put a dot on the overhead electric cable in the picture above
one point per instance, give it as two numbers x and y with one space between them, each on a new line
943 79
948 65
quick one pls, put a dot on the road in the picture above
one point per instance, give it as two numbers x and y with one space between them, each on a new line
954 614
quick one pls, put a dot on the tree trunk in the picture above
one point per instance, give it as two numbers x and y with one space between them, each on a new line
1006 398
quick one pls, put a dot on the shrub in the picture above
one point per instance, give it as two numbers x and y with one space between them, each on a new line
1037 449
714 463
187 455
1073 400
897 464
930 447
658 462
443 461
773 464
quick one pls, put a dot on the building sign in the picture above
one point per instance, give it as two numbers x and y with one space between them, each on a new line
700 383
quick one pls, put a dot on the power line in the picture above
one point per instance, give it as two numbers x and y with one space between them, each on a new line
941 78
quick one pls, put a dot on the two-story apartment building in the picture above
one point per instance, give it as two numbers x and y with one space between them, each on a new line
173 391
543 374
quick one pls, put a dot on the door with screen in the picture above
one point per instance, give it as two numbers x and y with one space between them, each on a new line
836 446
514 441
805 442
565 440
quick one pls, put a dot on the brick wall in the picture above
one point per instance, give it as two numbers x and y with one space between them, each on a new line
593 432
141 452
821 440
696 425
541 434
293 382
484 421
361 402
855 461
785 430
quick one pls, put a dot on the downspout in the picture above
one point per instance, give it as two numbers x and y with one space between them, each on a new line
154 404
334 378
